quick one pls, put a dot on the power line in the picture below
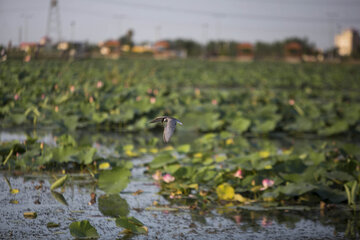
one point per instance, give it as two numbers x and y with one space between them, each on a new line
230 15
213 14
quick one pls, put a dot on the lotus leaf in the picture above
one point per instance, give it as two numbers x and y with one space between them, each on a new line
115 180
131 224
162 159
83 230
113 205
225 191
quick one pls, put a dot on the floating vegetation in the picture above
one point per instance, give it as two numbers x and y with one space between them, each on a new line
225 108
83 230
257 98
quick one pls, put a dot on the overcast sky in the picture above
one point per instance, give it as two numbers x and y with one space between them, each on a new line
201 20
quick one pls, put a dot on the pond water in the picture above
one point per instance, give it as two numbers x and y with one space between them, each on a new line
170 220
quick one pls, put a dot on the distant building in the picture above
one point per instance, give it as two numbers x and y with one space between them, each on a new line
63 46
347 42
293 52
110 48
27 46
142 49
162 50
73 49
161 46
45 41
245 52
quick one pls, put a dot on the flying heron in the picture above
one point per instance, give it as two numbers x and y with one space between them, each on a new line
169 128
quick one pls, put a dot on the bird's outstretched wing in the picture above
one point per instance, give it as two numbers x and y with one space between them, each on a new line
158 119
169 129
177 120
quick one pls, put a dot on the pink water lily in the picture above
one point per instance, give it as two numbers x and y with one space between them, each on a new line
152 100
238 174
157 176
266 184
168 178
237 219
16 97
265 222
99 84
197 91
72 88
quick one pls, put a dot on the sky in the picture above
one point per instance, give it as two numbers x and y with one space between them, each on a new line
200 20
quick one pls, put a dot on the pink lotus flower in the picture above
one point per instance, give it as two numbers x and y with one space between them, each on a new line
157 175
265 222
266 184
238 174
214 102
138 98
168 178
237 219
291 102
72 88
27 58
16 97
152 100
197 91
99 84
56 108
43 96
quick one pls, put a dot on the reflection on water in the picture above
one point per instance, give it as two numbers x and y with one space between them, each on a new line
107 142
71 203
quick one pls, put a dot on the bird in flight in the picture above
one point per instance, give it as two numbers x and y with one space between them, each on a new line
169 128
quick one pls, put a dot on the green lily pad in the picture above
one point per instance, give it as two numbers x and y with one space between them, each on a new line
58 183
113 205
184 148
225 191
85 155
83 230
162 159
115 180
131 224
239 125
338 127
296 189
59 197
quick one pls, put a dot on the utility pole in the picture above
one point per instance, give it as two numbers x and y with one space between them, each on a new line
219 25
72 24
120 18
53 21
25 29
157 33
331 17
205 28
20 35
